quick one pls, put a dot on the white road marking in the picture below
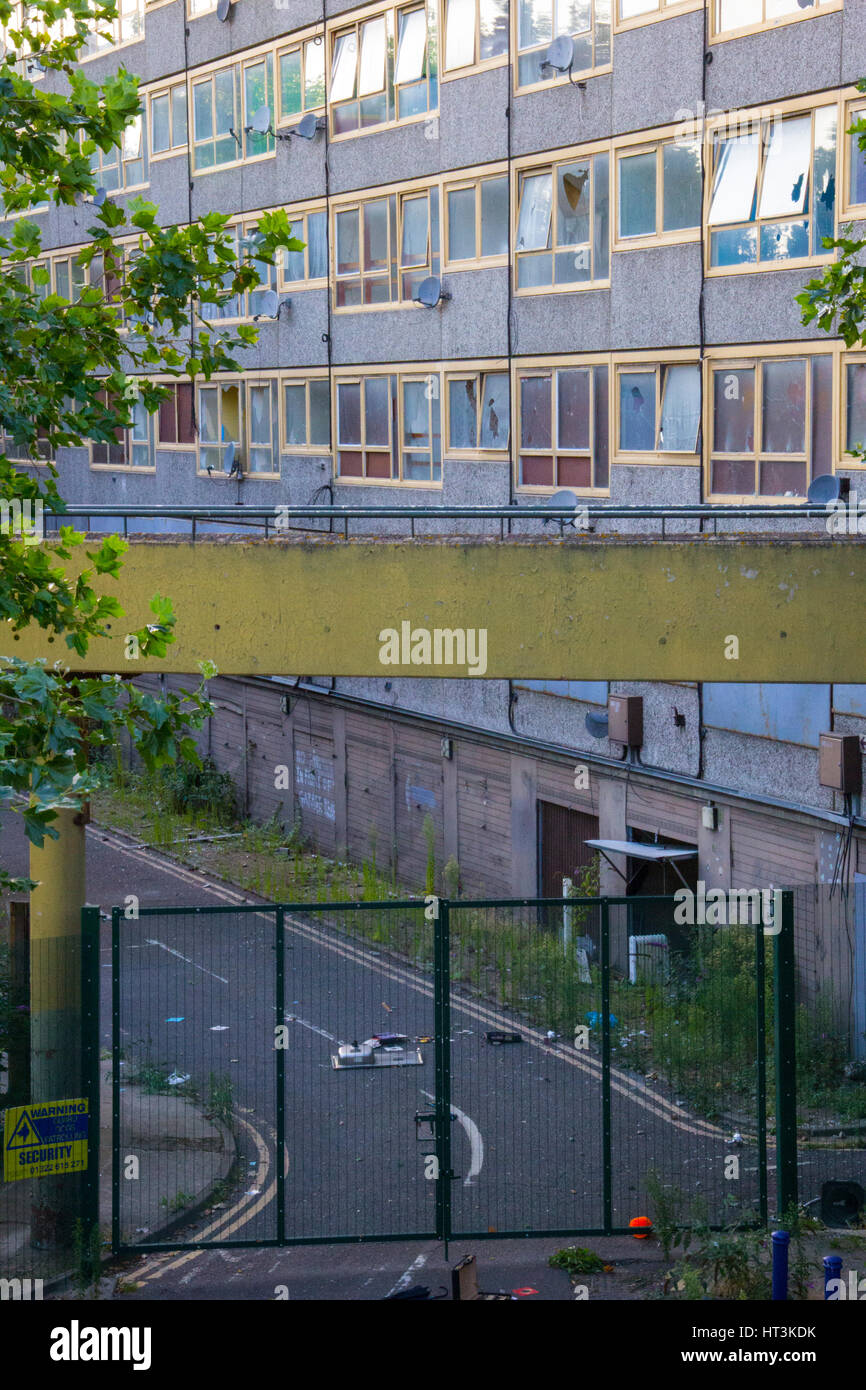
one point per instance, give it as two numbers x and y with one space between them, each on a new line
172 952
476 1143
406 1278
293 1018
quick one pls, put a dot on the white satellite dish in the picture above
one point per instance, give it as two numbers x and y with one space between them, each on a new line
560 54
430 292
99 196
270 305
229 460
224 9
307 126
260 120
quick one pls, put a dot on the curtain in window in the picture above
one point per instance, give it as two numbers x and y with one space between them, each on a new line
681 409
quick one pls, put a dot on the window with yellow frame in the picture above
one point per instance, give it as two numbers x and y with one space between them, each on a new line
475 35
224 102
854 409
244 413
628 14
772 190
306 414
562 217
388 428
126 27
308 267
855 159
383 68
478 411
384 247
476 221
731 18
769 423
538 22
658 192
167 109
657 411
301 77
562 415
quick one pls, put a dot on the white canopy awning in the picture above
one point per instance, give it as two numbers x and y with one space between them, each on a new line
651 854
638 851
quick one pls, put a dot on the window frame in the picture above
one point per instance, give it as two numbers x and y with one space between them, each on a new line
478 64
298 42
556 79
299 212
303 377
352 21
653 362
843 457
428 372
750 356
244 382
174 149
125 468
530 165
118 42
852 110
394 196
99 156
648 143
173 445
478 372
761 116
664 9
523 367
715 34
472 180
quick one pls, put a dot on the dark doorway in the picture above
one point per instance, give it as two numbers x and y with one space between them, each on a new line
648 879
562 850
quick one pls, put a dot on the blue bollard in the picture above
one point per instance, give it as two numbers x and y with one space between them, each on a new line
832 1270
780 1266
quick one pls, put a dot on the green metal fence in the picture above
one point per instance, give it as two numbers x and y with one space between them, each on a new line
305 1073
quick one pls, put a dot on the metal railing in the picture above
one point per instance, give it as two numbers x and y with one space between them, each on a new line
274 519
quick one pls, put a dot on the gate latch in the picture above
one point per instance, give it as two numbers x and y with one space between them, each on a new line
425 1127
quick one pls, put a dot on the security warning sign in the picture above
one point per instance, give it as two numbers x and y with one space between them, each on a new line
46 1137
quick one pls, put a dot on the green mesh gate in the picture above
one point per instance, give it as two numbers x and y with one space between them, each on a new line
323 1072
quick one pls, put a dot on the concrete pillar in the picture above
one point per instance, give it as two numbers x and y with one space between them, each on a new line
55 1003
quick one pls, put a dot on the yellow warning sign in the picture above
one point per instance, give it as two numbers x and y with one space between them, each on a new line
45 1137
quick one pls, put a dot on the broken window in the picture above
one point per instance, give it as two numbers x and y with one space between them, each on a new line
563 428
774 190
562 224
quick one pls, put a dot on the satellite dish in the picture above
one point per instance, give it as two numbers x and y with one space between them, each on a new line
565 498
229 460
827 487
224 9
430 292
596 725
270 305
307 126
560 54
261 120
99 196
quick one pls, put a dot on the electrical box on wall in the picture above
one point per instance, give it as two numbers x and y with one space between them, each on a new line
839 762
625 719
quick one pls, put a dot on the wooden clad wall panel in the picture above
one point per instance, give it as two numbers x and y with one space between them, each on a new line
419 792
369 790
556 783
655 808
483 820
